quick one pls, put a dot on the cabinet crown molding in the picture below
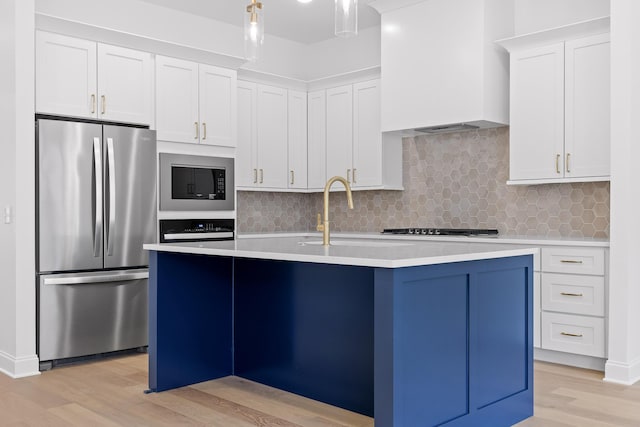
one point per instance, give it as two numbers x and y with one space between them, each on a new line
558 34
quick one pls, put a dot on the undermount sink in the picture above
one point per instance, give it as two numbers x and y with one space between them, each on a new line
357 243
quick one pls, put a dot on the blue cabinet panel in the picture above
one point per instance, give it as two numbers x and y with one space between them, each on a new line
306 328
190 319
431 347
499 334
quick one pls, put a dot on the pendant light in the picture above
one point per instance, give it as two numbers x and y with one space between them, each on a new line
346 18
253 30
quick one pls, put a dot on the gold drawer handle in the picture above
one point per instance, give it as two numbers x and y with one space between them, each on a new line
570 261
557 163
567 294
567 334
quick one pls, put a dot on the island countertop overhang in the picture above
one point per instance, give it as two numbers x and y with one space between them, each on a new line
383 253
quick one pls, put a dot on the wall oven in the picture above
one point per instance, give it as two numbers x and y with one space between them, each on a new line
196 183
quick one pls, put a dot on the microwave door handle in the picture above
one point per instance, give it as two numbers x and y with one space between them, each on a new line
112 196
97 179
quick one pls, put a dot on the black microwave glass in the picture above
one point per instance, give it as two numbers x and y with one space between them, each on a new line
197 183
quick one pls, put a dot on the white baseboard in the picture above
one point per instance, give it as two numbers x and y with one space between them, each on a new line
570 359
622 373
19 367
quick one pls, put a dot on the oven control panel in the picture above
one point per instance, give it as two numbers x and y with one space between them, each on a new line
196 230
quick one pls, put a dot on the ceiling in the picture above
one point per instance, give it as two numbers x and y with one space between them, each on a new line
289 19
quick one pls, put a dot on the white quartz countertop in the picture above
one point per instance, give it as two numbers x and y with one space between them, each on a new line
379 252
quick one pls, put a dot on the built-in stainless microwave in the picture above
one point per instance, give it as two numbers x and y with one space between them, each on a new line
196 183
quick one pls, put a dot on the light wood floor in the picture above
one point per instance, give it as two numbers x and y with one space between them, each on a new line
110 393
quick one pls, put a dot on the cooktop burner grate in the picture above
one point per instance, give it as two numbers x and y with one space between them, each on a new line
442 231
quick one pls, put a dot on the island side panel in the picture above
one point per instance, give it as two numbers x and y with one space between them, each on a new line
306 328
433 325
190 319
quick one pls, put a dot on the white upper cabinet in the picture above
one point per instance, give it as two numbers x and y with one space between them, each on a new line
217 96
124 84
261 156
367 137
297 139
272 137
247 151
587 107
560 105
537 111
65 75
317 139
340 132
195 103
81 78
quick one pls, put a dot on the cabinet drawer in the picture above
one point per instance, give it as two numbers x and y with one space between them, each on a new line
573 334
573 260
573 294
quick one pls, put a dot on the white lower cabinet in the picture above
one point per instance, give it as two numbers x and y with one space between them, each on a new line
572 300
573 334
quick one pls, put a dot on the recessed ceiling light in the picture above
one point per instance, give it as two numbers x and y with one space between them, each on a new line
304 1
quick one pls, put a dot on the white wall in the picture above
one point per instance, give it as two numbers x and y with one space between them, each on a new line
536 15
341 55
624 289
17 181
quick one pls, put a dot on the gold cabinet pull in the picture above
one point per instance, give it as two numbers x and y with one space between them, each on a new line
567 334
557 163
103 98
567 165
293 179
197 130
93 103
354 175
569 294
571 261
261 176
204 130
255 176
349 175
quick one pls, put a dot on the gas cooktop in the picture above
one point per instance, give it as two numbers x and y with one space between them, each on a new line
442 231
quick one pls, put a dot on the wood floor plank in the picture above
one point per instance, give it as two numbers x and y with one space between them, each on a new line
109 392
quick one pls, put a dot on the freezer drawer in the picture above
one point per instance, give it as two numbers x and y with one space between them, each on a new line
92 313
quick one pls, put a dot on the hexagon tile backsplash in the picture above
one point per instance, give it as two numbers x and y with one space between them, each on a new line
455 180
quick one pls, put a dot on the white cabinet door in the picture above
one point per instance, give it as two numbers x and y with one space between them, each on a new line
65 76
317 139
272 137
297 134
537 113
367 137
587 107
340 132
177 100
124 85
247 150
217 91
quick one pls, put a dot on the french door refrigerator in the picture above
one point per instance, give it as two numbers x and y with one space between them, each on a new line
96 200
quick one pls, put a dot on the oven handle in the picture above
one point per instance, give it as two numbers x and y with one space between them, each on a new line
191 236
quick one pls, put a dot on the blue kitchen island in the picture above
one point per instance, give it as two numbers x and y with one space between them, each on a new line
412 334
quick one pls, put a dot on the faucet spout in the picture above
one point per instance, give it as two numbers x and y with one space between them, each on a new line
324 226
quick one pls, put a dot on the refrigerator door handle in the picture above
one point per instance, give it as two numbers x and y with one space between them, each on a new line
95 279
97 179
112 196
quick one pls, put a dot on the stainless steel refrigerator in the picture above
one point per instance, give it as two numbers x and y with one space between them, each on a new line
96 201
